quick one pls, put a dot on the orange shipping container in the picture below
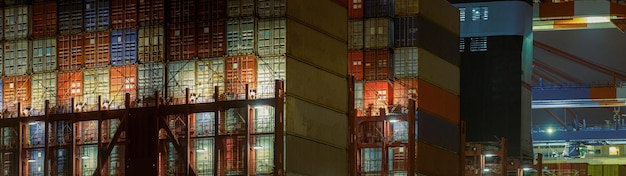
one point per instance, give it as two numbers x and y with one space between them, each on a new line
44 22
181 42
96 46
211 39
123 14
123 80
439 102
70 52
16 89
376 95
376 65
403 90
356 64
69 86
151 12
240 70
602 92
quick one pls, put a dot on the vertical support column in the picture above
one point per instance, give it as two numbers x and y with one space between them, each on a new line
412 145
220 145
246 157
247 92
218 142
384 164
216 93
352 127
20 137
503 154
462 148
72 150
99 155
47 153
279 142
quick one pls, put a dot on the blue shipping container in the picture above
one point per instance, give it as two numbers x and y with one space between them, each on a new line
378 8
96 15
36 134
405 33
70 17
561 93
123 47
437 131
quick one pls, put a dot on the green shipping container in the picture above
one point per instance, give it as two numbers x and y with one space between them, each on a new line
606 170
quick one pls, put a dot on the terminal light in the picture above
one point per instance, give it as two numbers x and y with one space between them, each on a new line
550 130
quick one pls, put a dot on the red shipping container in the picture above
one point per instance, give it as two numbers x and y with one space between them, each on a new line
355 59
182 42
567 168
370 132
211 9
377 94
211 39
151 12
403 90
240 70
16 89
123 80
376 65
97 49
44 22
355 9
123 14
182 11
70 52
69 85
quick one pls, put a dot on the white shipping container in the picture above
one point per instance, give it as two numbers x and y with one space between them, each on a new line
210 73
240 8
358 96
378 33
44 88
151 44
355 38
269 70
240 36
44 55
271 8
16 22
95 82
180 75
405 62
15 57
149 80
271 39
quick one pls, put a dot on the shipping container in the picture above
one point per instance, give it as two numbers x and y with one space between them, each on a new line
209 74
355 37
70 52
376 95
269 70
70 17
16 22
96 46
123 80
14 2
439 72
355 59
61 161
116 164
123 47
151 13
70 85
569 169
10 138
406 7
371 161
355 9
34 134
203 124
109 127
406 30
376 65
358 97
403 90
44 88
9 163
438 132
96 15
263 156
44 55
1 23
150 78
398 160
606 170
204 157
211 10
16 89
86 132
95 83
271 37
378 33
61 132
1 105
240 70
378 8
15 58
87 163
436 101
271 8
151 44
240 8
370 132
405 62
432 160
123 14
211 37
181 42
34 164
44 22
240 36
232 123
180 75
181 11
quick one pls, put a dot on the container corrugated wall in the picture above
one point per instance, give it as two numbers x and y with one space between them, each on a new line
405 62
209 74
151 13
271 37
240 36
211 36
16 22
70 85
16 89
95 83
70 52
44 55
269 69
123 80
355 35
181 11
240 8
211 9
44 87
123 14
96 15
378 8
123 46
355 9
406 7
355 59
376 65
181 42
70 17
271 8
150 78
44 21
378 33
377 94
96 45
16 57
180 75
240 70
151 44
406 31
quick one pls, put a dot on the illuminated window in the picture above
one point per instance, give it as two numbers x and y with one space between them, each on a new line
478 44
480 13
613 151
462 13
462 45
357 4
